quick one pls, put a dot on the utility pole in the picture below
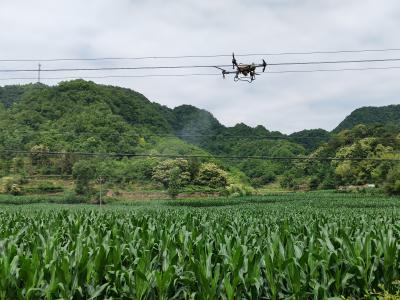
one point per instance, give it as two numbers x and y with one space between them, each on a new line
100 180
101 187
39 69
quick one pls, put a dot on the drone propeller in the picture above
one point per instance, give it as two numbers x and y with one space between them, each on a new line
264 64
234 62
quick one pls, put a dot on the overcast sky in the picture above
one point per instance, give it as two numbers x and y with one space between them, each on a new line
43 29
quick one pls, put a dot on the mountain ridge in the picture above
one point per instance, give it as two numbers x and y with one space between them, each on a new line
371 115
184 120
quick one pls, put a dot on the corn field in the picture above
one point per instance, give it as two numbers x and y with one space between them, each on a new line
251 250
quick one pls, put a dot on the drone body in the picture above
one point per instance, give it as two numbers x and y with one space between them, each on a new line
243 72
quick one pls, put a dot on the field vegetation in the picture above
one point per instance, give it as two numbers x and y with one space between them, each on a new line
299 245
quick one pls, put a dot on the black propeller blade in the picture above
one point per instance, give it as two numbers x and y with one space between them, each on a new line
264 65
234 62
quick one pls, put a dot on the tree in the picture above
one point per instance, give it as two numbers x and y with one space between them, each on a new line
259 172
65 162
39 155
211 175
173 174
18 165
175 184
290 180
139 169
83 172
392 184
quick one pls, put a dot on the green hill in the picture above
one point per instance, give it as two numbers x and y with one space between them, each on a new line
311 138
65 116
384 115
86 117
81 116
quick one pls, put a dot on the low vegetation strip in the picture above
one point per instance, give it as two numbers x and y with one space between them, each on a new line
278 246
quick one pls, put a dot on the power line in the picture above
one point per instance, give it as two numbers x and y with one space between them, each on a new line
114 68
48 176
114 76
160 135
199 56
330 70
198 74
334 62
318 52
198 66
177 135
120 155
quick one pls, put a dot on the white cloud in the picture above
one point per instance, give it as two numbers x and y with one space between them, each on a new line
286 102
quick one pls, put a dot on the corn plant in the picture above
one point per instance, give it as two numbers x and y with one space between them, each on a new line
255 248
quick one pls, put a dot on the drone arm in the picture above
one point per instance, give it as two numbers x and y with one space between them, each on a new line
225 72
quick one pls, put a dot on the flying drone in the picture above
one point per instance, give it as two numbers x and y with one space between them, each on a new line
243 72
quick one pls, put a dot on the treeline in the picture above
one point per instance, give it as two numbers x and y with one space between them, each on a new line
81 116
361 143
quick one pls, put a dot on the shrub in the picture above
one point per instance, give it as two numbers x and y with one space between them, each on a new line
49 187
237 190
264 179
15 190
73 198
12 185
314 183
289 180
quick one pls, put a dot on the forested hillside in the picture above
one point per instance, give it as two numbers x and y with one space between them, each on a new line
361 156
385 115
81 116
86 117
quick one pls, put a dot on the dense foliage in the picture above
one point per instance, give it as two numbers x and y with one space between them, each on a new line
310 139
386 115
81 116
361 142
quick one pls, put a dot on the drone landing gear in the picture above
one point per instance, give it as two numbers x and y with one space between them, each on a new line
244 78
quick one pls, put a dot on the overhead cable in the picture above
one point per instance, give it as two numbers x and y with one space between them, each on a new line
196 66
198 74
260 157
198 56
